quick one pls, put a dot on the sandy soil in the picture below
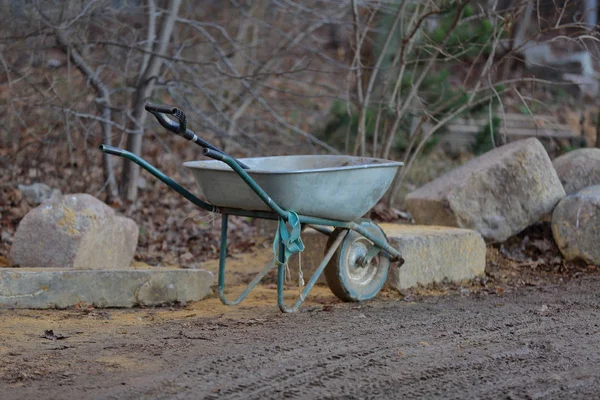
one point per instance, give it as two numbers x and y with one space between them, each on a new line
527 342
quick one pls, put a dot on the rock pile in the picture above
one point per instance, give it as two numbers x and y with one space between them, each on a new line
74 249
504 191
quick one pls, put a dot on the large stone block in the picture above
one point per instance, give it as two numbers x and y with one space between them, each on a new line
431 253
576 225
497 194
578 169
59 288
74 231
435 254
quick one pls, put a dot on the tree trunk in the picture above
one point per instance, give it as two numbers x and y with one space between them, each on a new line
519 37
144 90
590 13
112 189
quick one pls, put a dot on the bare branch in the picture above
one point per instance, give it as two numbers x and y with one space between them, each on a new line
145 87
104 103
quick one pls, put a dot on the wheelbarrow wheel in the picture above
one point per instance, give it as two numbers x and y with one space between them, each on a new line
348 276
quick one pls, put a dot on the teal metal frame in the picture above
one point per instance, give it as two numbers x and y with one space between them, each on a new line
318 224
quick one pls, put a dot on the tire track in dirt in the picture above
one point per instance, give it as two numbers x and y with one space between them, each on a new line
533 343
346 365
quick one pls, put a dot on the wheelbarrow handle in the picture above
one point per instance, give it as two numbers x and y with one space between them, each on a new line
159 108
159 112
248 180
180 129
216 155
158 174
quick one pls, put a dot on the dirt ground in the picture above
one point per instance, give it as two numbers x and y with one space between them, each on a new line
520 342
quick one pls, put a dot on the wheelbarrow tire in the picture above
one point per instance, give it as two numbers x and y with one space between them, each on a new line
345 277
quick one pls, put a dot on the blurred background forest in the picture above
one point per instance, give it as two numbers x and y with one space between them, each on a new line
431 83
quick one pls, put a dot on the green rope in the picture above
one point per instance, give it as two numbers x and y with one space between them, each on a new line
291 240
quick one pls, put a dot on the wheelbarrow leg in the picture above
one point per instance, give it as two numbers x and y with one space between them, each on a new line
313 279
222 262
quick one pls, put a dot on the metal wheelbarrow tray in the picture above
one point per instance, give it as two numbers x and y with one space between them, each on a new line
343 188
298 191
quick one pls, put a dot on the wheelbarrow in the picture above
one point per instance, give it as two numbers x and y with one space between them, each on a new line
322 192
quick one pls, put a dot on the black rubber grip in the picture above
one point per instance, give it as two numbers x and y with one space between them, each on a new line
180 115
161 108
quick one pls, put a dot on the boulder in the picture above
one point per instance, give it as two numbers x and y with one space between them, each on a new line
576 225
497 194
74 231
578 169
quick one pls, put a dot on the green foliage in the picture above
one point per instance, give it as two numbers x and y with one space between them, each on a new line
574 144
340 123
467 39
463 42
440 94
487 138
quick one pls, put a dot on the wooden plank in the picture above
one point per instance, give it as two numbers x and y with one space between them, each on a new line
540 132
517 120
471 130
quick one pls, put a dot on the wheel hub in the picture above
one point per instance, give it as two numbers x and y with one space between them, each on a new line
360 268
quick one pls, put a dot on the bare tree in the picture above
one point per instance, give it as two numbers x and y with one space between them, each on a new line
148 75
253 74
419 42
222 72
